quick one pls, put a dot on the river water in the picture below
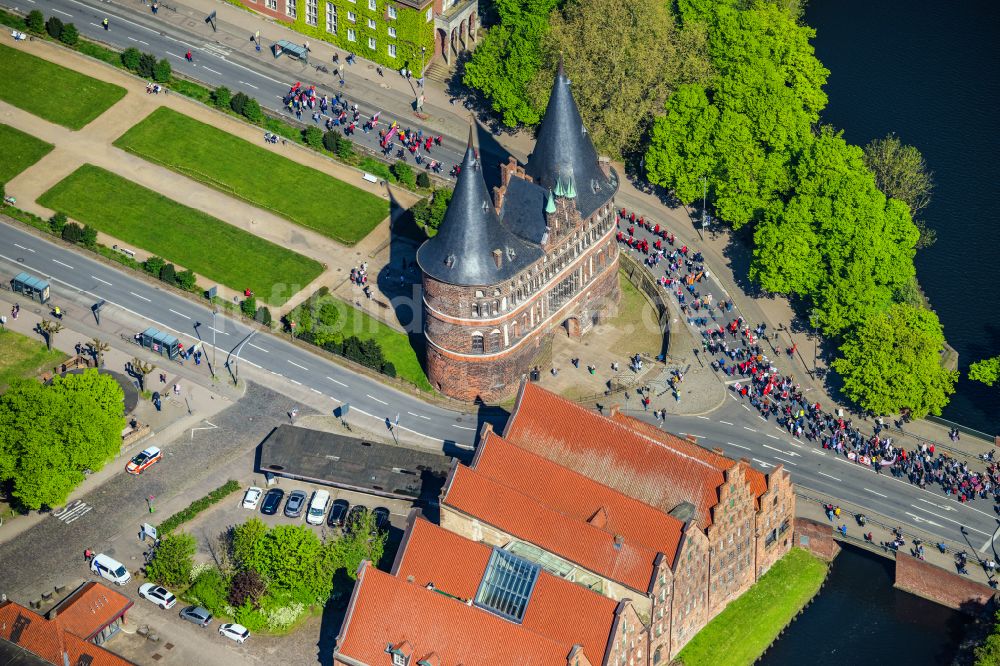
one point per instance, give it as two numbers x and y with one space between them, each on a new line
930 72
859 618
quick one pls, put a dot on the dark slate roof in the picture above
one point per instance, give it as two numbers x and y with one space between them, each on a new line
564 151
354 464
524 209
462 251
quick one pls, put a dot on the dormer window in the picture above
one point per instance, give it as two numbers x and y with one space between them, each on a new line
399 660
401 653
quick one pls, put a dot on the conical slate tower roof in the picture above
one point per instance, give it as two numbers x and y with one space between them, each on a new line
464 250
564 159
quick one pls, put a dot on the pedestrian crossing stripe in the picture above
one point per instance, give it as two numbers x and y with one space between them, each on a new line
72 511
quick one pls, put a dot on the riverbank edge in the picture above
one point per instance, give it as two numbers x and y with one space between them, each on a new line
747 611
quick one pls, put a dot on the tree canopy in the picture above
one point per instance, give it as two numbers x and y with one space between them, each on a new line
901 173
173 560
50 434
986 371
893 361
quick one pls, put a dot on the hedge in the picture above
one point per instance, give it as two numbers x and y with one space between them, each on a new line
197 506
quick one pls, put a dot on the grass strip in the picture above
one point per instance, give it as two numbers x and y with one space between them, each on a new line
185 236
232 165
65 97
24 357
20 151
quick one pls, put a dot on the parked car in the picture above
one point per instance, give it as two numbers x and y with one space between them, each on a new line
236 632
110 569
144 460
317 507
296 502
158 595
381 518
272 501
354 516
338 512
197 615
252 497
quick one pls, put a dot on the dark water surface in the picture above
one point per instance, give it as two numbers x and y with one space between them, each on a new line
930 72
858 619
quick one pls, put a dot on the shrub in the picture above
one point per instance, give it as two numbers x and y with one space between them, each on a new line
423 180
197 507
162 71
376 168
221 97
186 279
263 315
284 616
147 65
314 137
173 560
54 27
88 236
238 102
168 274
35 21
72 232
388 369
130 58
70 36
210 590
252 112
331 140
249 306
246 587
345 149
154 265
404 173
57 222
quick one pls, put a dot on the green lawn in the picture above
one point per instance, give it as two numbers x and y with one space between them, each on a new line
20 151
740 634
303 195
21 356
187 237
53 92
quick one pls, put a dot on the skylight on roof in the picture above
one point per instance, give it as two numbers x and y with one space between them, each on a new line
507 585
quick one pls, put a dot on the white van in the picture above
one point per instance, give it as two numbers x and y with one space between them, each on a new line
317 507
111 569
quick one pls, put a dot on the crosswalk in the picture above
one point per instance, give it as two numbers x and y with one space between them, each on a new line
216 50
72 511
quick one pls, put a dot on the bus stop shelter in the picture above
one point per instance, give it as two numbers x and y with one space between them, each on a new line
34 288
291 49
162 343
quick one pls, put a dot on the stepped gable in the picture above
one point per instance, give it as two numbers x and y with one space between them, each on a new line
573 494
389 613
564 154
558 609
576 540
662 471
472 247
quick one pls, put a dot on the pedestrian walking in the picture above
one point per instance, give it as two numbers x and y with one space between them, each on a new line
105 24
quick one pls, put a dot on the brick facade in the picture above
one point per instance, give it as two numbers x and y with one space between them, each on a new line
944 587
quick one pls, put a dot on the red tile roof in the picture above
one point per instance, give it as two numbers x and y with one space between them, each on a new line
386 610
637 460
568 492
90 608
558 609
573 539
49 639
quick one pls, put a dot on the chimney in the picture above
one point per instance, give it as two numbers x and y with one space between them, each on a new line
498 196
430 586
409 579
498 257
619 541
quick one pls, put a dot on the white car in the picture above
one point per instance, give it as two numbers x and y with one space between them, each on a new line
110 569
252 497
236 632
158 595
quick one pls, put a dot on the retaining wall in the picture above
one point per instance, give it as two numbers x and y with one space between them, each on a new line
944 587
816 538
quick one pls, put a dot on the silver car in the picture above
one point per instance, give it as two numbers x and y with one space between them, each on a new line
197 615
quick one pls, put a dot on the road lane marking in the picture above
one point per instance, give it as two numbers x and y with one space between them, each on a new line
130 38
869 490
419 416
762 418
772 448
142 42
704 418
946 508
336 381
23 248
761 462
950 520
828 476
250 344
787 462
453 425
294 382
739 446
918 519
251 363
296 364
376 399
211 70
59 11
217 330
749 428
100 280
771 436
248 84
745 407
315 391
797 445
175 55
179 314
817 451
725 422
63 264
142 297
846 462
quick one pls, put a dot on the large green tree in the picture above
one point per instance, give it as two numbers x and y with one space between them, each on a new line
361 542
837 241
173 560
624 57
893 361
901 173
290 558
986 371
50 434
767 94
505 62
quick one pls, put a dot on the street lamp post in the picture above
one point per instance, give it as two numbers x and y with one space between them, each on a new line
704 201
813 323
423 52
214 312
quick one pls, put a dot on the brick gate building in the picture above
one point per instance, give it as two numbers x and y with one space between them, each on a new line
503 273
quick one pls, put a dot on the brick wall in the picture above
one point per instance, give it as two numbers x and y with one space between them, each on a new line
774 520
690 610
731 539
629 637
817 538
934 583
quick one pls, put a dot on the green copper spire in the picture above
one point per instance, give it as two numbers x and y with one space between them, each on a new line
550 205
